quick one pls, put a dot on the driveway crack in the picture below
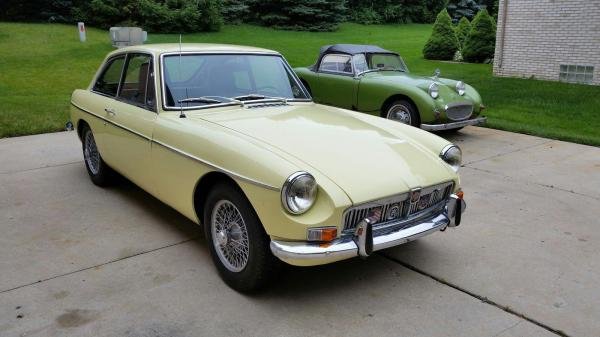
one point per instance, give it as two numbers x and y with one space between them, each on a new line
98 265
479 297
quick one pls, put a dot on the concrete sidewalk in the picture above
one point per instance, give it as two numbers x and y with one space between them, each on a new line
78 260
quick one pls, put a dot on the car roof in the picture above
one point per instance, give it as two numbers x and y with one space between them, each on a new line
352 49
162 48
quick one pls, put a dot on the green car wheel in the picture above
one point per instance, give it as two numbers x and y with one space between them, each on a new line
402 111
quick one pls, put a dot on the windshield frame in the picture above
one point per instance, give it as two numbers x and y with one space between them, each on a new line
286 65
368 58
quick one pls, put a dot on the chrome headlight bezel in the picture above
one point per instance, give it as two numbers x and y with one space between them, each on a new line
460 88
290 187
434 90
452 155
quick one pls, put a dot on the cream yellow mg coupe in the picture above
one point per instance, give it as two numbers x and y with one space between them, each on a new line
229 136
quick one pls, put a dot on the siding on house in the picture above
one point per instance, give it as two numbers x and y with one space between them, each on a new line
540 36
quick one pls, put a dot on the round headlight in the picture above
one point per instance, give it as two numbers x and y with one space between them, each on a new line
460 87
434 90
299 192
452 155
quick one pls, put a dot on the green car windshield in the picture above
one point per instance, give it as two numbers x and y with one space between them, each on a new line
196 80
380 62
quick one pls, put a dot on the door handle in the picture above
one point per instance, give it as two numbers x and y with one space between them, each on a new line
110 111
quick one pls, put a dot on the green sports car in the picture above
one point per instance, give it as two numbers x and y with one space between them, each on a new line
376 81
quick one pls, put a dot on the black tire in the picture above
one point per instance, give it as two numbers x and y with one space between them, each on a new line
261 265
100 173
404 108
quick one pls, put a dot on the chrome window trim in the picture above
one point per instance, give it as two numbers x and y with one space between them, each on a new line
183 153
165 107
104 68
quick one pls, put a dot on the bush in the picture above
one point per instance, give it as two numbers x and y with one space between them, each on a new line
481 42
235 11
464 8
462 31
160 16
311 15
442 44
394 11
37 10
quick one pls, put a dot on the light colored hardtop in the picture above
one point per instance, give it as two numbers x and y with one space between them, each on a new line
163 48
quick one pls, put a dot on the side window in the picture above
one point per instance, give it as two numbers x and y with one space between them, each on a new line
138 85
360 63
108 81
336 63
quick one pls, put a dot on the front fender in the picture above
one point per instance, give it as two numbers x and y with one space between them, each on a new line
372 94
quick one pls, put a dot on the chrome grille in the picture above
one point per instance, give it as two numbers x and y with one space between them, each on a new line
459 111
399 208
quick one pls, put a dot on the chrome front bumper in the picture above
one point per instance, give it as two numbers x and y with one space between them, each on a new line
312 253
454 125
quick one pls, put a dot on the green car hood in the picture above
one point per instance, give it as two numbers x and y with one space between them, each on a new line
366 161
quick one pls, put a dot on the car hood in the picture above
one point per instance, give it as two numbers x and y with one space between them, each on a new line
407 78
366 161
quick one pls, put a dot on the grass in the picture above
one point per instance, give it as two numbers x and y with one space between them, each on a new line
41 64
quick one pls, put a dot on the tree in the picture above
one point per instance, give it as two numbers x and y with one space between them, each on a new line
312 15
235 11
394 11
462 31
481 41
461 8
442 44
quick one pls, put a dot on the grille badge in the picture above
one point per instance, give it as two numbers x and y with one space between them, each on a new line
415 194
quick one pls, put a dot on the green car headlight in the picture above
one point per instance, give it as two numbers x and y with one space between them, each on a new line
299 192
460 87
452 155
434 90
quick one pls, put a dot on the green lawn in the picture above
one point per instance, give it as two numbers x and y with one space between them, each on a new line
41 64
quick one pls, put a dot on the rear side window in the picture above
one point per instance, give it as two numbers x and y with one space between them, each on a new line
336 63
138 84
108 81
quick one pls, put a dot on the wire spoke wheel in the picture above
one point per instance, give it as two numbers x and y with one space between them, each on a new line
90 153
399 113
230 236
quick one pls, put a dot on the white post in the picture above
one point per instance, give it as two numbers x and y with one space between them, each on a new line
81 28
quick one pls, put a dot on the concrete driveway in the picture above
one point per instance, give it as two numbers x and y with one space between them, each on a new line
78 260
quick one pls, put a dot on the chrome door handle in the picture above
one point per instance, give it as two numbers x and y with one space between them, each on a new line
110 111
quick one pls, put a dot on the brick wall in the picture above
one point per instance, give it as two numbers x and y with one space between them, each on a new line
540 35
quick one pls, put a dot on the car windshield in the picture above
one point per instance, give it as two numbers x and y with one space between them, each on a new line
193 80
386 61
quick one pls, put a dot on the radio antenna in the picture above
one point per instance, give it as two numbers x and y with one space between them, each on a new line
181 114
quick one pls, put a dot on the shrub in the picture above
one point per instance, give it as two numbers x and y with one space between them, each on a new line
365 16
394 11
481 41
464 8
462 31
442 44
312 15
235 11
160 16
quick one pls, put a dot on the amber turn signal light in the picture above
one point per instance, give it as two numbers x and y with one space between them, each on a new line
322 234
460 194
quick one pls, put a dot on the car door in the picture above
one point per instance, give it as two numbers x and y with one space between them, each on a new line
131 119
336 83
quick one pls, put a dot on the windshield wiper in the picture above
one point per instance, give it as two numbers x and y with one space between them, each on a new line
380 69
199 100
208 99
250 97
